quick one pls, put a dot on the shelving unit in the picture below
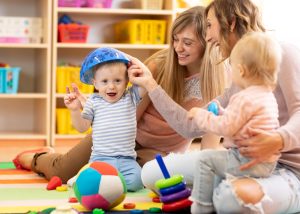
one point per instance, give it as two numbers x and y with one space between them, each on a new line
25 116
100 35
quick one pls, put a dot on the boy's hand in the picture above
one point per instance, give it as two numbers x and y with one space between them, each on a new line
71 99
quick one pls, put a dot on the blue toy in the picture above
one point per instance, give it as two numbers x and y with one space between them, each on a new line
65 19
213 107
97 57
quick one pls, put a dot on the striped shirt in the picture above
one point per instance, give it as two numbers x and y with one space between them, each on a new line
113 124
252 108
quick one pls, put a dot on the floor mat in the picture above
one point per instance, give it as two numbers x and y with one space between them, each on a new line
22 191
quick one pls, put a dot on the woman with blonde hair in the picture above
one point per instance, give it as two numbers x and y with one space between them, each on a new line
227 22
177 70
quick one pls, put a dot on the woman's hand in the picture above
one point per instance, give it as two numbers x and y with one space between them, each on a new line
140 75
260 147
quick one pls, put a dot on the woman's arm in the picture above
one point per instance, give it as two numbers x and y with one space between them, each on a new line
174 114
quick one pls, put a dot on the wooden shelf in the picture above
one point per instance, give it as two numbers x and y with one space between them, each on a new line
113 45
105 11
17 45
24 96
26 115
22 135
69 136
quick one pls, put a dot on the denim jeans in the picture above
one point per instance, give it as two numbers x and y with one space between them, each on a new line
129 168
281 189
212 164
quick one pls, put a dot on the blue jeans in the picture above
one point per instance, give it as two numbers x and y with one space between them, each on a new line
212 164
129 168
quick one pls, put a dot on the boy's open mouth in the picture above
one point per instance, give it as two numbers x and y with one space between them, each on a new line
111 94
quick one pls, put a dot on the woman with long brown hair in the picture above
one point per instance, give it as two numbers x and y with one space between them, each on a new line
227 22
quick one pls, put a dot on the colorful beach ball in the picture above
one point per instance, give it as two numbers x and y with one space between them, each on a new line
99 185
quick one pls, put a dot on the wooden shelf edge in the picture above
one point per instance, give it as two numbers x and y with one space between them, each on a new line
69 136
22 136
121 11
113 45
27 45
24 96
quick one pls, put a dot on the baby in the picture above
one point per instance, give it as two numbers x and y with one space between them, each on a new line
255 60
111 112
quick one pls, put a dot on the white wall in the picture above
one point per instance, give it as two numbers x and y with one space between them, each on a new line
283 18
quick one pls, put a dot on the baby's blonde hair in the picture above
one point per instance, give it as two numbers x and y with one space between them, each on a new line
261 55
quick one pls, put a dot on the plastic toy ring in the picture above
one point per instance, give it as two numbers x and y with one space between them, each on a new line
173 189
164 183
177 205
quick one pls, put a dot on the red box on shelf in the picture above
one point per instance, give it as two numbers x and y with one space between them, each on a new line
72 33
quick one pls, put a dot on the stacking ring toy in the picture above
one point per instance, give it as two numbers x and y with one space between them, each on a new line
177 205
176 196
164 183
173 189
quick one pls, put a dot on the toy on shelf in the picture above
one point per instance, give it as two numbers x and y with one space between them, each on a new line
85 3
9 79
99 185
71 31
213 107
173 191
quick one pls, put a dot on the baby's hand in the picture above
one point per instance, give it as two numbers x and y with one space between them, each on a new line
192 113
71 100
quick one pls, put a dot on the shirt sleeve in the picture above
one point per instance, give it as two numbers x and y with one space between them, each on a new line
174 114
227 124
289 82
134 92
88 110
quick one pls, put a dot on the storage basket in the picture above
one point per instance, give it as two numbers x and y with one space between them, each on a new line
9 80
64 123
152 4
65 75
99 3
72 33
71 3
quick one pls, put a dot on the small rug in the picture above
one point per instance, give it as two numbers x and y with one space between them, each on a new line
23 191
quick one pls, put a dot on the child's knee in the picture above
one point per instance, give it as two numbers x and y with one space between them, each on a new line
229 198
134 182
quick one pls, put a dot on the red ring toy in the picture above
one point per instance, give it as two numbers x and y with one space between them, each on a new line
129 205
177 205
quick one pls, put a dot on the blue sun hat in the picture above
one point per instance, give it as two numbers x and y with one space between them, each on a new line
97 57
